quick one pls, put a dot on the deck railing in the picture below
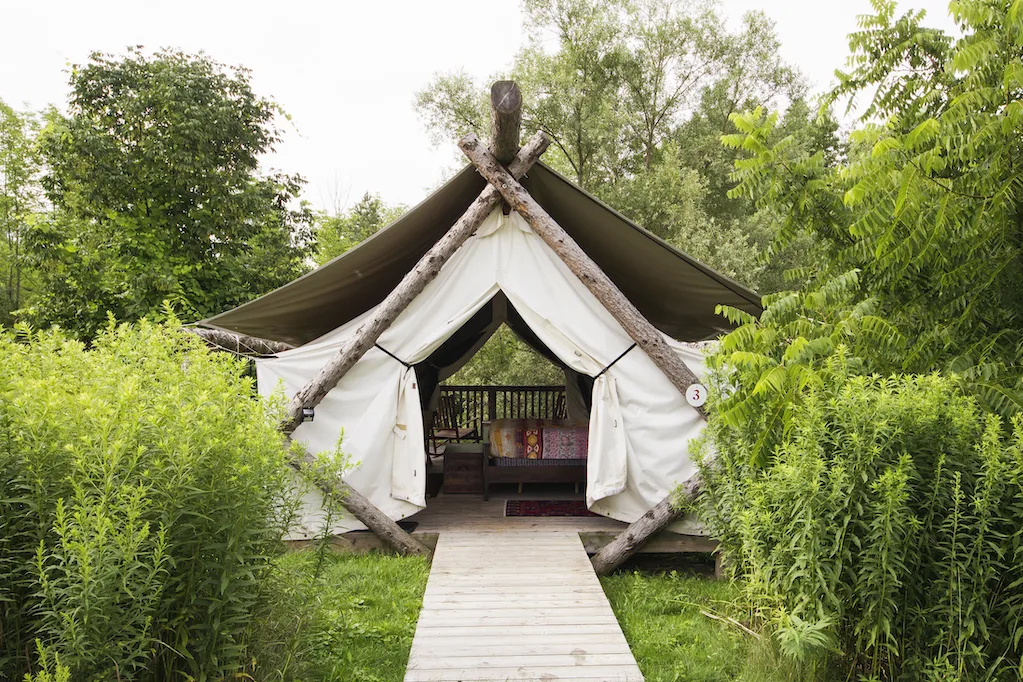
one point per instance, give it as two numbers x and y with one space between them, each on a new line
473 405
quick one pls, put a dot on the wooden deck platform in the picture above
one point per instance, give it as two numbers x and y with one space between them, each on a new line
517 604
458 513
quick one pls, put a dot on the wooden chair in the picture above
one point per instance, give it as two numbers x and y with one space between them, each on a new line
560 408
447 424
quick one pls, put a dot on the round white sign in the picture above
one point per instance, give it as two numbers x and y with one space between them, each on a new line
696 395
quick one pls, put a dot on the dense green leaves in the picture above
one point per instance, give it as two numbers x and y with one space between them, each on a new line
143 494
339 232
882 508
634 96
885 518
154 178
927 205
20 198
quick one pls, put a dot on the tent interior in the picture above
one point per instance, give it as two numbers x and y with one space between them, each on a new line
461 346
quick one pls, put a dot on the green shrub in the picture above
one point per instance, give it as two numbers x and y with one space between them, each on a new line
143 496
884 529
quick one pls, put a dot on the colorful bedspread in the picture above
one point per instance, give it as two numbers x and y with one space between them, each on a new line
539 439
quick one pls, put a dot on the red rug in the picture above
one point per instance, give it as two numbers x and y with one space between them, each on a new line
547 508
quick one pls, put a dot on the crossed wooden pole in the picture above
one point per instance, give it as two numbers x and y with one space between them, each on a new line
506 108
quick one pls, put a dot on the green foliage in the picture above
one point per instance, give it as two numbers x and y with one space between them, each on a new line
927 204
506 360
337 233
157 195
143 495
635 96
690 628
882 527
19 200
339 618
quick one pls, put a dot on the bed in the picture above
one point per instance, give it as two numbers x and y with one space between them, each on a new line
534 451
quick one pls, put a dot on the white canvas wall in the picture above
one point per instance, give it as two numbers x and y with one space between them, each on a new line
639 428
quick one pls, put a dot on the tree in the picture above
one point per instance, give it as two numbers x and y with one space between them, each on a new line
337 233
19 200
635 97
926 209
155 180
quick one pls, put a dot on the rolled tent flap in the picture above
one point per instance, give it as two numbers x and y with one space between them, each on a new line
639 423
607 468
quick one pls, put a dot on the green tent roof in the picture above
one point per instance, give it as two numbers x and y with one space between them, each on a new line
674 291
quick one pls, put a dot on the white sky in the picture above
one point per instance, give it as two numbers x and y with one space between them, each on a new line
347 70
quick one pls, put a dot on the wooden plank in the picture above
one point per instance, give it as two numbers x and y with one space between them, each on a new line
575 630
530 660
516 606
617 673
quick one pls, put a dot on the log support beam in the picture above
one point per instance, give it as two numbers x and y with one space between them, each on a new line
238 343
410 286
383 316
505 120
361 508
615 553
645 335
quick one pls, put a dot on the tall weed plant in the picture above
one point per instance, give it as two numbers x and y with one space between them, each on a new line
144 493
882 533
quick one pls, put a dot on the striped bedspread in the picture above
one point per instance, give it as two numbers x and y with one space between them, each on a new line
539 439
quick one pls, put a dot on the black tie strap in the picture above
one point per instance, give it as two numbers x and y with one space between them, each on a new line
626 352
407 365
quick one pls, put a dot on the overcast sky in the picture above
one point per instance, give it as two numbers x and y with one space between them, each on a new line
347 71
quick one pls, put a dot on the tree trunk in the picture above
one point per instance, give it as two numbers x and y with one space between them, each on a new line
613 554
582 266
238 343
505 120
362 509
410 286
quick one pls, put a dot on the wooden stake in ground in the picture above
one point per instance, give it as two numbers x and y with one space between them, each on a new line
611 297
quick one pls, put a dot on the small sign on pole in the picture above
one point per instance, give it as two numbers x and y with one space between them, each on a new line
696 395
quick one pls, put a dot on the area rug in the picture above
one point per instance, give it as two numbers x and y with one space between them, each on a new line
547 508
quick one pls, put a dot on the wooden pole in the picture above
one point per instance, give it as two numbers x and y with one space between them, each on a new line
238 343
613 554
410 286
582 266
505 120
364 510
638 327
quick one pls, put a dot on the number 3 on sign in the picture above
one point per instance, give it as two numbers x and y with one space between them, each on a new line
696 395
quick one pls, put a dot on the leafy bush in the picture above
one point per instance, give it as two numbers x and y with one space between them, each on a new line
883 528
143 496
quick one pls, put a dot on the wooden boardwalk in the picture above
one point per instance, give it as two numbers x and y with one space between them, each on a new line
517 605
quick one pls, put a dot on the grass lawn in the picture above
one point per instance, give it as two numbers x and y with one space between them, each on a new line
673 641
351 619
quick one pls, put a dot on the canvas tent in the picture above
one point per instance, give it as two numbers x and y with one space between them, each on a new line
640 424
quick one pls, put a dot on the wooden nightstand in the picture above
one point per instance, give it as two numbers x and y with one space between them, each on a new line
463 468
